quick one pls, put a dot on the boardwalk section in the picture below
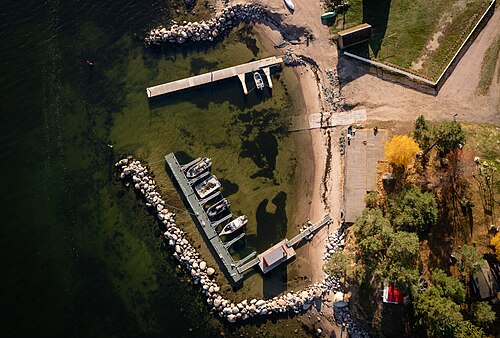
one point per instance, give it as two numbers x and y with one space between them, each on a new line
198 80
362 155
327 120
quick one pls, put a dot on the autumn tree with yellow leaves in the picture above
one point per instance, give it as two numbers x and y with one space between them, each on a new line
400 150
495 241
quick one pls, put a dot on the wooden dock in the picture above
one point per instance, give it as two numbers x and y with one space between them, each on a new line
309 231
203 220
327 120
198 80
362 156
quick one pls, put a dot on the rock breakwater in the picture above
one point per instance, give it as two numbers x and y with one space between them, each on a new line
133 172
208 30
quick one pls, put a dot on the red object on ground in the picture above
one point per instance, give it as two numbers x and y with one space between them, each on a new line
394 295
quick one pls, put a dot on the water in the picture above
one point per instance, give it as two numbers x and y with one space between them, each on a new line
80 254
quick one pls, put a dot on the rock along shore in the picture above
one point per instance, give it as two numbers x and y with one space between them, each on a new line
208 30
293 302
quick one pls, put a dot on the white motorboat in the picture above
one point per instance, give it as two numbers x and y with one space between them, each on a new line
234 225
207 187
203 164
290 5
218 208
258 81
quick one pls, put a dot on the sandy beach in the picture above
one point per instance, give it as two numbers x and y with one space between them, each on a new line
319 171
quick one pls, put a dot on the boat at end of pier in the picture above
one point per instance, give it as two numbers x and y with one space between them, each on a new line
218 208
234 225
290 5
199 167
207 187
258 81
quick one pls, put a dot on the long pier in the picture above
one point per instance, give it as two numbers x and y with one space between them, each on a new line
198 80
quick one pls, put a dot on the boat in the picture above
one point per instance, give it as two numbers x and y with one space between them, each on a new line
234 225
199 167
207 187
290 5
329 15
218 208
258 81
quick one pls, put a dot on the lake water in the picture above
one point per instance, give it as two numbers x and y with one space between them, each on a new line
81 256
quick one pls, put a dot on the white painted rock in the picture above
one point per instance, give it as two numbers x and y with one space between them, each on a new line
210 271
203 265
260 302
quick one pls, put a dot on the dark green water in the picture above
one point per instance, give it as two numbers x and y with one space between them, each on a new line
80 254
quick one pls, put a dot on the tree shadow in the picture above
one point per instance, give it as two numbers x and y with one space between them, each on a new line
376 13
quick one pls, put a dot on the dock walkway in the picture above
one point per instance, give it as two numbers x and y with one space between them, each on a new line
309 231
203 220
197 80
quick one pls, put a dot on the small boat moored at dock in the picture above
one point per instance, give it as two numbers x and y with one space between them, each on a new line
207 187
234 225
203 164
218 208
290 5
258 81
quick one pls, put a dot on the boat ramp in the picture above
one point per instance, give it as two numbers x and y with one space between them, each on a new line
268 260
198 80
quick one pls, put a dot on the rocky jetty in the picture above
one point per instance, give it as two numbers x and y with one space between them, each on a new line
132 171
291 59
208 30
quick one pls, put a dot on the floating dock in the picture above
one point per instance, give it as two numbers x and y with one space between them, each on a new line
203 220
198 80
268 260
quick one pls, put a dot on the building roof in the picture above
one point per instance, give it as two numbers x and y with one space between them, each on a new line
354 29
484 283
275 255
392 295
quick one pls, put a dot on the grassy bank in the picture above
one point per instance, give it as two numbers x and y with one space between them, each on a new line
488 67
417 35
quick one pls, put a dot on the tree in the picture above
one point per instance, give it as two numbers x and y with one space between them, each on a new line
413 210
440 316
448 286
338 264
482 314
373 234
400 263
449 136
495 241
467 330
422 133
400 150
371 199
470 261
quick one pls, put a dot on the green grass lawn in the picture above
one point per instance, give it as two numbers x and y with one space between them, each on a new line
402 30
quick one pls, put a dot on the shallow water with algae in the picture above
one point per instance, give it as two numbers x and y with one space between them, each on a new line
81 256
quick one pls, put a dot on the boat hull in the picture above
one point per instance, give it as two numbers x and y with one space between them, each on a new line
290 5
207 187
234 226
198 168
